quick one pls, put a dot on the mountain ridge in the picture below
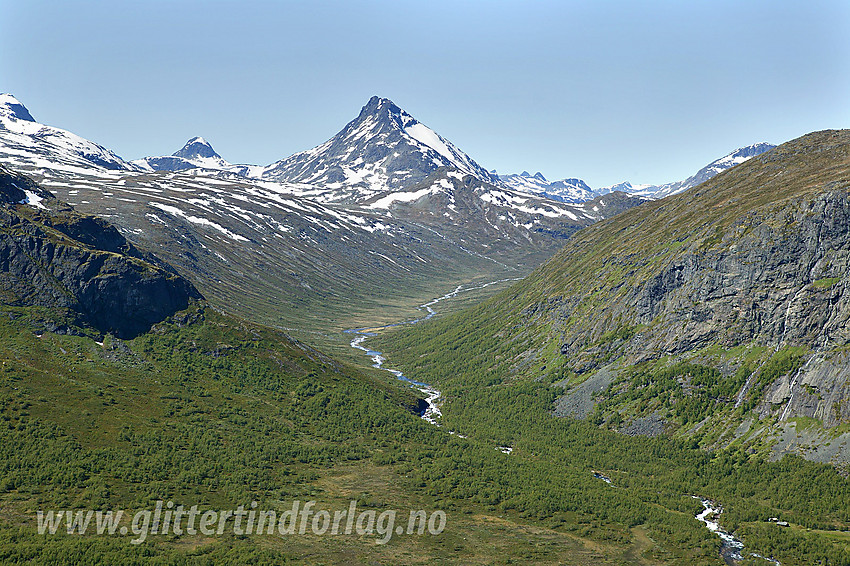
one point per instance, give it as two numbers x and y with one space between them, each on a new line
740 283
28 141
331 172
576 190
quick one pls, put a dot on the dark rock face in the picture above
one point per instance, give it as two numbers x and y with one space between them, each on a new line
19 111
58 258
770 285
197 147
757 257
13 187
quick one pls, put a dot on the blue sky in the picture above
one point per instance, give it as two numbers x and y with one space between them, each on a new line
601 90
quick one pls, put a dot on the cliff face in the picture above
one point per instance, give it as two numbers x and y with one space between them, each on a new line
757 259
51 256
776 280
778 277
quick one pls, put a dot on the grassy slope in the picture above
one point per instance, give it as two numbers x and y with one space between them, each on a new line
655 232
496 364
549 472
218 412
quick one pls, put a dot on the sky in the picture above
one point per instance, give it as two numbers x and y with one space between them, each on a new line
601 90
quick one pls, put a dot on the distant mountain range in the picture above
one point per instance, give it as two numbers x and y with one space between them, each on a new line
386 208
565 190
384 149
717 166
576 190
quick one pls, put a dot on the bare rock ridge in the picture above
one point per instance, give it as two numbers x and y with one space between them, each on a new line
51 256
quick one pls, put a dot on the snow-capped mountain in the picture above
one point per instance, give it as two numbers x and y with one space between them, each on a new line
27 142
197 153
565 190
714 168
384 148
282 251
646 191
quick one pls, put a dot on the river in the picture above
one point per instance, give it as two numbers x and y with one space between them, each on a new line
731 549
432 394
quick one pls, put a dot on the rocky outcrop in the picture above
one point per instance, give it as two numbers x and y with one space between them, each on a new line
782 281
820 390
53 257
759 256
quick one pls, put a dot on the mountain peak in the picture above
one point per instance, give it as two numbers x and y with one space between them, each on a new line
752 150
12 107
197 147
378 102
196 153
384 148
377 105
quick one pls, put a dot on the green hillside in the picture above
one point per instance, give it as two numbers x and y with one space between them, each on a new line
656 324
210 410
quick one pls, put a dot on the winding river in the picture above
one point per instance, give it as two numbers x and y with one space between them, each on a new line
731 549
432 394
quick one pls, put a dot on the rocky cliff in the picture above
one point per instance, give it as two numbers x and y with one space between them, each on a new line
52 256
745 276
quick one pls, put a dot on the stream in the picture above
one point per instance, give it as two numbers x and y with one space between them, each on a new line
731 549
432 394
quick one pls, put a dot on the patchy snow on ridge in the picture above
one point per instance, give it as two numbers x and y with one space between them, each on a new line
385 202
174 211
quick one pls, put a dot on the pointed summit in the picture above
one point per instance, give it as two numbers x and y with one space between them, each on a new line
197 153
11 107
376 103
383 149
197 147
